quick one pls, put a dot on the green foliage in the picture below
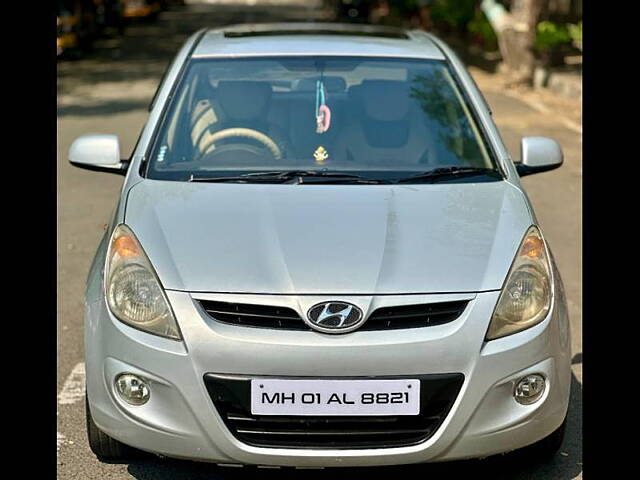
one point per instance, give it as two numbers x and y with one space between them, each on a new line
550 35
455 13
480 26
575 31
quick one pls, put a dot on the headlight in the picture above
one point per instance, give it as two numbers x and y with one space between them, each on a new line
526 296
134 294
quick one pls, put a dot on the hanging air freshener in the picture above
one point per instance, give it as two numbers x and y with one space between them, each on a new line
323 113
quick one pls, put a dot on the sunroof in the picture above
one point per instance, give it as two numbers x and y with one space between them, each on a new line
377 33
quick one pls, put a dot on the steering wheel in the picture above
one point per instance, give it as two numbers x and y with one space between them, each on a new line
260 137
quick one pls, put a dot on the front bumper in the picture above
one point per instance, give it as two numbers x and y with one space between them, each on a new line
181 421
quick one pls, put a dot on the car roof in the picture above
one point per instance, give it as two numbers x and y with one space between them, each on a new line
328 39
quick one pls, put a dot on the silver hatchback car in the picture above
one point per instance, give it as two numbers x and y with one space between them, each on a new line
322 255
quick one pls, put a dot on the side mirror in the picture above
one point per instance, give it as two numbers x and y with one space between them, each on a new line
538 154
98 152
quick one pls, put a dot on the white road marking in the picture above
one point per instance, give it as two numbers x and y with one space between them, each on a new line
73 388
538 106
59 441
571 125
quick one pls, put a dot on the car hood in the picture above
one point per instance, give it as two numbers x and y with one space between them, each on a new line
329 239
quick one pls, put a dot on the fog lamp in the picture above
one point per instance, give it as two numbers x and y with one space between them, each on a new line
132 389
529 389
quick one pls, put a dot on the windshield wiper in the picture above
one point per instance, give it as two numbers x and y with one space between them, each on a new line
294 176
444 172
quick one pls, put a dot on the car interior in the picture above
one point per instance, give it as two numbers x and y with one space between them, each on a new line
372 123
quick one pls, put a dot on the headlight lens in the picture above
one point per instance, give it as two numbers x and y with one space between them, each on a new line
134 294
526 296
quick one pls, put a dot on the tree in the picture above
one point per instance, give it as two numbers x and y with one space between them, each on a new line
516 32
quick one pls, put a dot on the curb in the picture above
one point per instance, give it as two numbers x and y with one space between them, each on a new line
564 84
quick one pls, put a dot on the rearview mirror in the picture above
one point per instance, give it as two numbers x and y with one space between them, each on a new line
98 152
538 154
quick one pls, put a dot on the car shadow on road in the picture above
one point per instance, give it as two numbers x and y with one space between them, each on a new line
567 464
145 50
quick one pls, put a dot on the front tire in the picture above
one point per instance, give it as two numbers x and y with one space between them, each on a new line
101 444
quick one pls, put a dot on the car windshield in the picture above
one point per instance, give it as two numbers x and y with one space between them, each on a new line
379 118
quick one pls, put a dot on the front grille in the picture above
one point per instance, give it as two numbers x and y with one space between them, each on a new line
414 316
247 315
386 318
232 396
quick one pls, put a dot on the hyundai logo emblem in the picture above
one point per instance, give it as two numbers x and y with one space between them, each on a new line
334 317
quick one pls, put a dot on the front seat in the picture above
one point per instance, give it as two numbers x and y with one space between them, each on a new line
243 104
386 127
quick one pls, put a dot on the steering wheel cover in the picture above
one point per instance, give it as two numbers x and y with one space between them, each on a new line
247 133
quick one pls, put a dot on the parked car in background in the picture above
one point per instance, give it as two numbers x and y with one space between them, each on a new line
77 25
141 9
81 22
110 16
322 255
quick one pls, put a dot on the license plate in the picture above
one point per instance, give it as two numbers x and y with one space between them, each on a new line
335 397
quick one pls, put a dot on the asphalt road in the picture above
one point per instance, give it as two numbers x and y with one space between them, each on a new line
108 92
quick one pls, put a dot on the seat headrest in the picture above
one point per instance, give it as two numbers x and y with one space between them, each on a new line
244 100
332 84
384 100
